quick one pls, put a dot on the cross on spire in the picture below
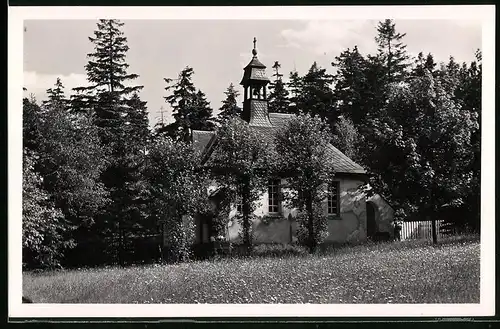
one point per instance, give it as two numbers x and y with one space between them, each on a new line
254 51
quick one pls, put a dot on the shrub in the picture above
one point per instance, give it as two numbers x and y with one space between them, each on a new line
320 226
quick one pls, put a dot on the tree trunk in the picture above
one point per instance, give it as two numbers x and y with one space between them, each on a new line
120 243
246 216
434 231
310 224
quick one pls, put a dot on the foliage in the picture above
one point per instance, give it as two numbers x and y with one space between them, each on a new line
294 85
44 225
346 138
177 188
422 64
278 97
312 94
302 151
320 226
31 125
71 161
352 85
392 51
241 161
229 108
113 103
56 96
189 106
425 137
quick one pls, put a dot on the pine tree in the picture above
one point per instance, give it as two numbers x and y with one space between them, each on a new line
190 107
392 51
278 96
229 108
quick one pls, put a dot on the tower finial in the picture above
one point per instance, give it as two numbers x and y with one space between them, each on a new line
254 50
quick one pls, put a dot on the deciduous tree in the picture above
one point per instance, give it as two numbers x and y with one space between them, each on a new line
241 161
302 151
178 189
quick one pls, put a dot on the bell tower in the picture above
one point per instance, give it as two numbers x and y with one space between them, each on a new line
254 82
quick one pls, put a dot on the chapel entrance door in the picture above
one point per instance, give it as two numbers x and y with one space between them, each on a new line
371 224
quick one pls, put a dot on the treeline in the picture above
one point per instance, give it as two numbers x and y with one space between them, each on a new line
411 122
97 180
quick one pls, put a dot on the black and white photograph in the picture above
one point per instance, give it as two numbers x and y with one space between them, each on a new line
250 164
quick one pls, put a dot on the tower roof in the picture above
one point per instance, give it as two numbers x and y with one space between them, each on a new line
255 70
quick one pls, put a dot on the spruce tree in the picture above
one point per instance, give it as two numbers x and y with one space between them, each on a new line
295 86
229 108
189 106
392 51
351 85
315 95
56 97
119 116
424 63
278 96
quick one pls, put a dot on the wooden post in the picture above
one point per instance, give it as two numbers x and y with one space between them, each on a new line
434 231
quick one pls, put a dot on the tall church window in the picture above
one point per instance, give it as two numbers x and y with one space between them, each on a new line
273 195
333 199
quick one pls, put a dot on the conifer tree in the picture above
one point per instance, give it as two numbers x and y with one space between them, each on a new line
56 97
110 83
392 51
424 63
229 108
278 96
315 95
119 116
352 85
189 106
295 86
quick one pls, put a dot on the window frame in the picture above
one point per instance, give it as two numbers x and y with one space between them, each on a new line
329 204
273 196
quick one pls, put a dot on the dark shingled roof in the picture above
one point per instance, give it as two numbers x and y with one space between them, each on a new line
258 114
342 163
201 139
255 63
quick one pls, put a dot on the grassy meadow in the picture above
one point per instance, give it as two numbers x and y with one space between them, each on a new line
397 272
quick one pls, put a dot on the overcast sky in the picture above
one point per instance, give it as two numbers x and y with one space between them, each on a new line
219 49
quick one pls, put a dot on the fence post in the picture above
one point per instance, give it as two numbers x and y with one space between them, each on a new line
434 231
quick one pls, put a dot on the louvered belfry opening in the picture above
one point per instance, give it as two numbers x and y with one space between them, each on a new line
254 82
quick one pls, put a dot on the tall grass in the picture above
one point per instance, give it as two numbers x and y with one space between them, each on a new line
400 272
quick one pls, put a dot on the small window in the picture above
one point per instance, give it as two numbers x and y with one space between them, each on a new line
273 191
333 199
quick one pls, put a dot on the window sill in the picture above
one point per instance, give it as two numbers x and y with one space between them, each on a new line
333 217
